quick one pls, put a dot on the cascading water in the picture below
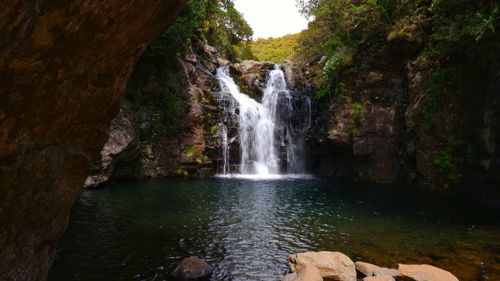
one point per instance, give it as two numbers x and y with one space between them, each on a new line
264 129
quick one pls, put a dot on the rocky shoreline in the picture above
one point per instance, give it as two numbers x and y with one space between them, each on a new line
326 265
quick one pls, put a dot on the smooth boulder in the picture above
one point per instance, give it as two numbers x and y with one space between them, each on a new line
305 273
367 269
425 272
379 278
386 271
331 265
192 268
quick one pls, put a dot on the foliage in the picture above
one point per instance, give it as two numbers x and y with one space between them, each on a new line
358 107
443 161
462 24
275 49
323 92
217 21
191 151
438 91
340 27
336 32
306 7
225 28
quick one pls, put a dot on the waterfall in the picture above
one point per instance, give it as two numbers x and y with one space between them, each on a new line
264 129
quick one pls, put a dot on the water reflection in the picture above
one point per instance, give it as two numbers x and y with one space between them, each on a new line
247 228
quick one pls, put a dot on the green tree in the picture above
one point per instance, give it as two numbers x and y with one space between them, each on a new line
276 49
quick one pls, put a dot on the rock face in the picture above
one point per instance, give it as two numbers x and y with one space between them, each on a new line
173 117
189 143
118 154
63 67
179 137
251 76
192 268
306 273
399 116
425 273
332 265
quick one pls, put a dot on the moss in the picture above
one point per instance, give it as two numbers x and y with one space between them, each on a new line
191 151
444 162
181 171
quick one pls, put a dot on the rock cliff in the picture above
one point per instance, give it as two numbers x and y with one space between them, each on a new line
63 67
399 115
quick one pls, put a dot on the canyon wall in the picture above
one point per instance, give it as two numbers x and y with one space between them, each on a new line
63 68
399 115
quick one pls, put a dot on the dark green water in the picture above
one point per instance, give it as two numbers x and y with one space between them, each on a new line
246 228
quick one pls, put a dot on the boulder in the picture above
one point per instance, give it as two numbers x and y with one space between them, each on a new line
386 271
332 265
367 269
192 268
425 272
305 273
379 278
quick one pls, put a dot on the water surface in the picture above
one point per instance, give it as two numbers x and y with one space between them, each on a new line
247 228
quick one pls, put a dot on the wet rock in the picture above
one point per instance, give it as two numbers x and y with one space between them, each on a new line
294 76
306 273
332 265
251 76
425 272
192 268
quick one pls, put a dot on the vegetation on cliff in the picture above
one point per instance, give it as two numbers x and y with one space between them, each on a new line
218 22
443 57
450 28
202 24
275 49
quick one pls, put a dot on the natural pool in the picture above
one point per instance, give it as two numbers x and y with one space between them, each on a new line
247 228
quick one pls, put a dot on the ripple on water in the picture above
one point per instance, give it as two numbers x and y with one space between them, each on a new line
246 228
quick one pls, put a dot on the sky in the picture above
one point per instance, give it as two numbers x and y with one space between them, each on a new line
271 18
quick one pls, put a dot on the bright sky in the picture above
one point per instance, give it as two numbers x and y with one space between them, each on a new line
271 18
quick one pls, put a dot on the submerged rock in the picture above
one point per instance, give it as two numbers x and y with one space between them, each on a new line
305 273
425 272
192 268
332 265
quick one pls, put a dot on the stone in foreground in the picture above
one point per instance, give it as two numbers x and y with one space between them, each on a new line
425 272
367 269
379 278
332 265
386 271
192 268
305 273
